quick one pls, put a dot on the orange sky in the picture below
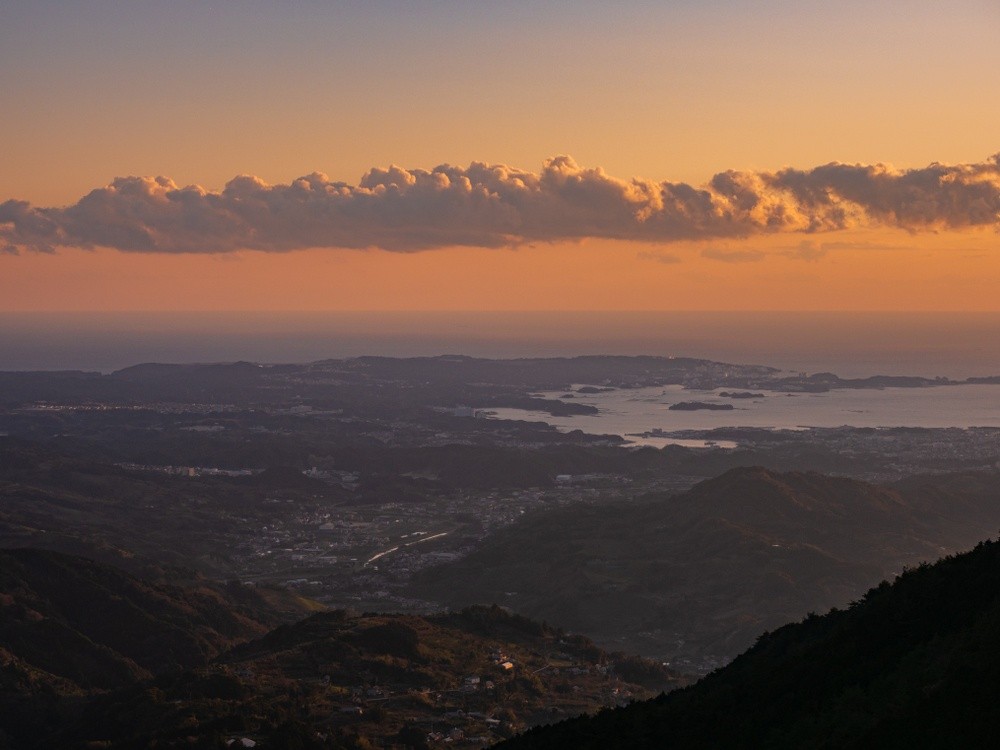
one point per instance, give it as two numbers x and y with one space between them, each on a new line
667 91
959 271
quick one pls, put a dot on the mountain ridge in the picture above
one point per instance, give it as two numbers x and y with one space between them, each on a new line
740 553
915 663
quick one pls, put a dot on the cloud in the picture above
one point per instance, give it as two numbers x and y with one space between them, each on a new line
493 205
732 256
809 251
862 246
659 256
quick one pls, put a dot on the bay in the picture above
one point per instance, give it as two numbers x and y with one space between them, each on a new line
626 412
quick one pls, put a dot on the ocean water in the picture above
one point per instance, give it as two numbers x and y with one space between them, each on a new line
954 345
639 410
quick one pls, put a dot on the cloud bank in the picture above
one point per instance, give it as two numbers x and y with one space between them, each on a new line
486 205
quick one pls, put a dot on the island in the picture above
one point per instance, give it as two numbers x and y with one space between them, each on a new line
699 405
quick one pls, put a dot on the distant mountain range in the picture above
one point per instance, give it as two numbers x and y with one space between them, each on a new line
697 576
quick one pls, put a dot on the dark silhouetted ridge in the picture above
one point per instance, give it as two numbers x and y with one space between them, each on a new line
912 664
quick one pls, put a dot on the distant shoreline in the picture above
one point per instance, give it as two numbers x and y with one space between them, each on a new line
854 345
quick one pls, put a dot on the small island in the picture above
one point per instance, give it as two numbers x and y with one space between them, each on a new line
699 405
740 394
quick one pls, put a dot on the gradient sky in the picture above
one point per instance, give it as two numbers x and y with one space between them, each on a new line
666 91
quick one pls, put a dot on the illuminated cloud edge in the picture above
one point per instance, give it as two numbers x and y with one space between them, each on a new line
486 205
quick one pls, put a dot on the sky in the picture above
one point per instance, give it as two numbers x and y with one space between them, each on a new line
767 155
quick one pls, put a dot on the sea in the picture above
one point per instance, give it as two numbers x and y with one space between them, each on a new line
851 344
634 413
955 345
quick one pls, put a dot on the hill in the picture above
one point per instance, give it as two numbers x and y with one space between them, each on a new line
343 680
72 627
912 664
694 578
96 627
